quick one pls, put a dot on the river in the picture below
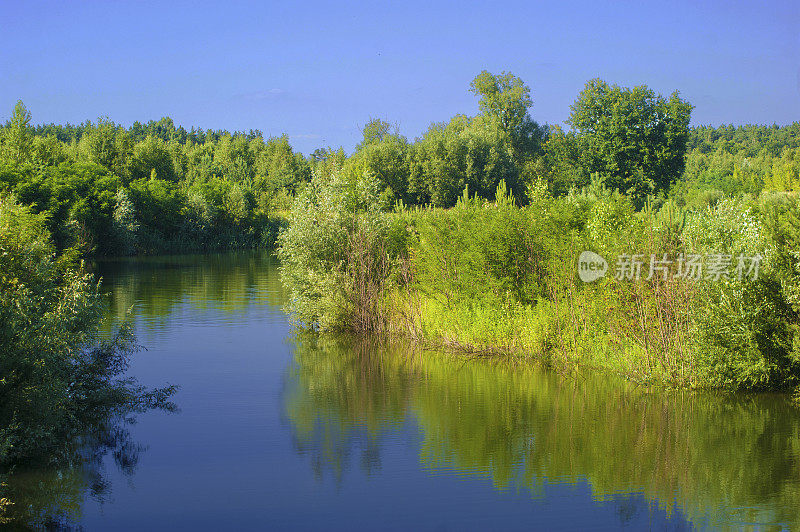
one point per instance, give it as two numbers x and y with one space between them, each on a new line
279 430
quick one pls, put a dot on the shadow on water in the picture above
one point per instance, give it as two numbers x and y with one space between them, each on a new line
718 460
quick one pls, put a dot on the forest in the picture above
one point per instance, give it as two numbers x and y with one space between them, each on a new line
465 237
157 188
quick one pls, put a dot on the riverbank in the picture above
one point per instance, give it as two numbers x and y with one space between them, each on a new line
702 298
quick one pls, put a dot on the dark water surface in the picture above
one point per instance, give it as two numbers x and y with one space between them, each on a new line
278 430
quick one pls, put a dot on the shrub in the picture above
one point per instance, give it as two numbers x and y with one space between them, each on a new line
744 335
54 379
338 252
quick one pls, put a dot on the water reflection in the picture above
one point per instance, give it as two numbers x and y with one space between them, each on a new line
341 397
717 459
390 431
166 291
50 496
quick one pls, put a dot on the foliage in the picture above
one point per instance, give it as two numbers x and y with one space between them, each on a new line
160 206
152 188
506 99
462 153
338 252
54 374
15 142
632 136
492 276
738 160
479 249
499 209
78 201
183 172
152 156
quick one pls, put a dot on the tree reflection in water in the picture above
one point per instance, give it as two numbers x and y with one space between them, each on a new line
46 489
718 459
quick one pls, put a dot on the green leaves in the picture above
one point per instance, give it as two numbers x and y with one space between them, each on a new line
152 155
504 98
633 136
55 377
338 252
462 153
17 136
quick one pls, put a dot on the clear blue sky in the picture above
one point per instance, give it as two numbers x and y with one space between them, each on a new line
318 71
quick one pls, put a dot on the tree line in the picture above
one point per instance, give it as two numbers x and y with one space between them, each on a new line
156 187
150 188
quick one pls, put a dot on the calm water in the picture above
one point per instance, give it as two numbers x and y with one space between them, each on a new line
278 430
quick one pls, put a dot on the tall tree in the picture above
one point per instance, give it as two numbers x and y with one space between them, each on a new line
374 131
108 144
383 152
150 155
633 137
18 135
506 99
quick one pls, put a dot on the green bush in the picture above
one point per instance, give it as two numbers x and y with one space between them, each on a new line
745 328
55 380
481 249
338 251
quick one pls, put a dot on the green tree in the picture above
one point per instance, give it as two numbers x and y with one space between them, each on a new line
374 131
109 145
462 153
383 154
18 135
125 225
561 167
150 155
785 175
337 253
78 200
506 99
633 137
60 386
159 207
233 159
277 166
49 151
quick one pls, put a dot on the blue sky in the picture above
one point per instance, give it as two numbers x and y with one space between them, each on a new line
318 71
